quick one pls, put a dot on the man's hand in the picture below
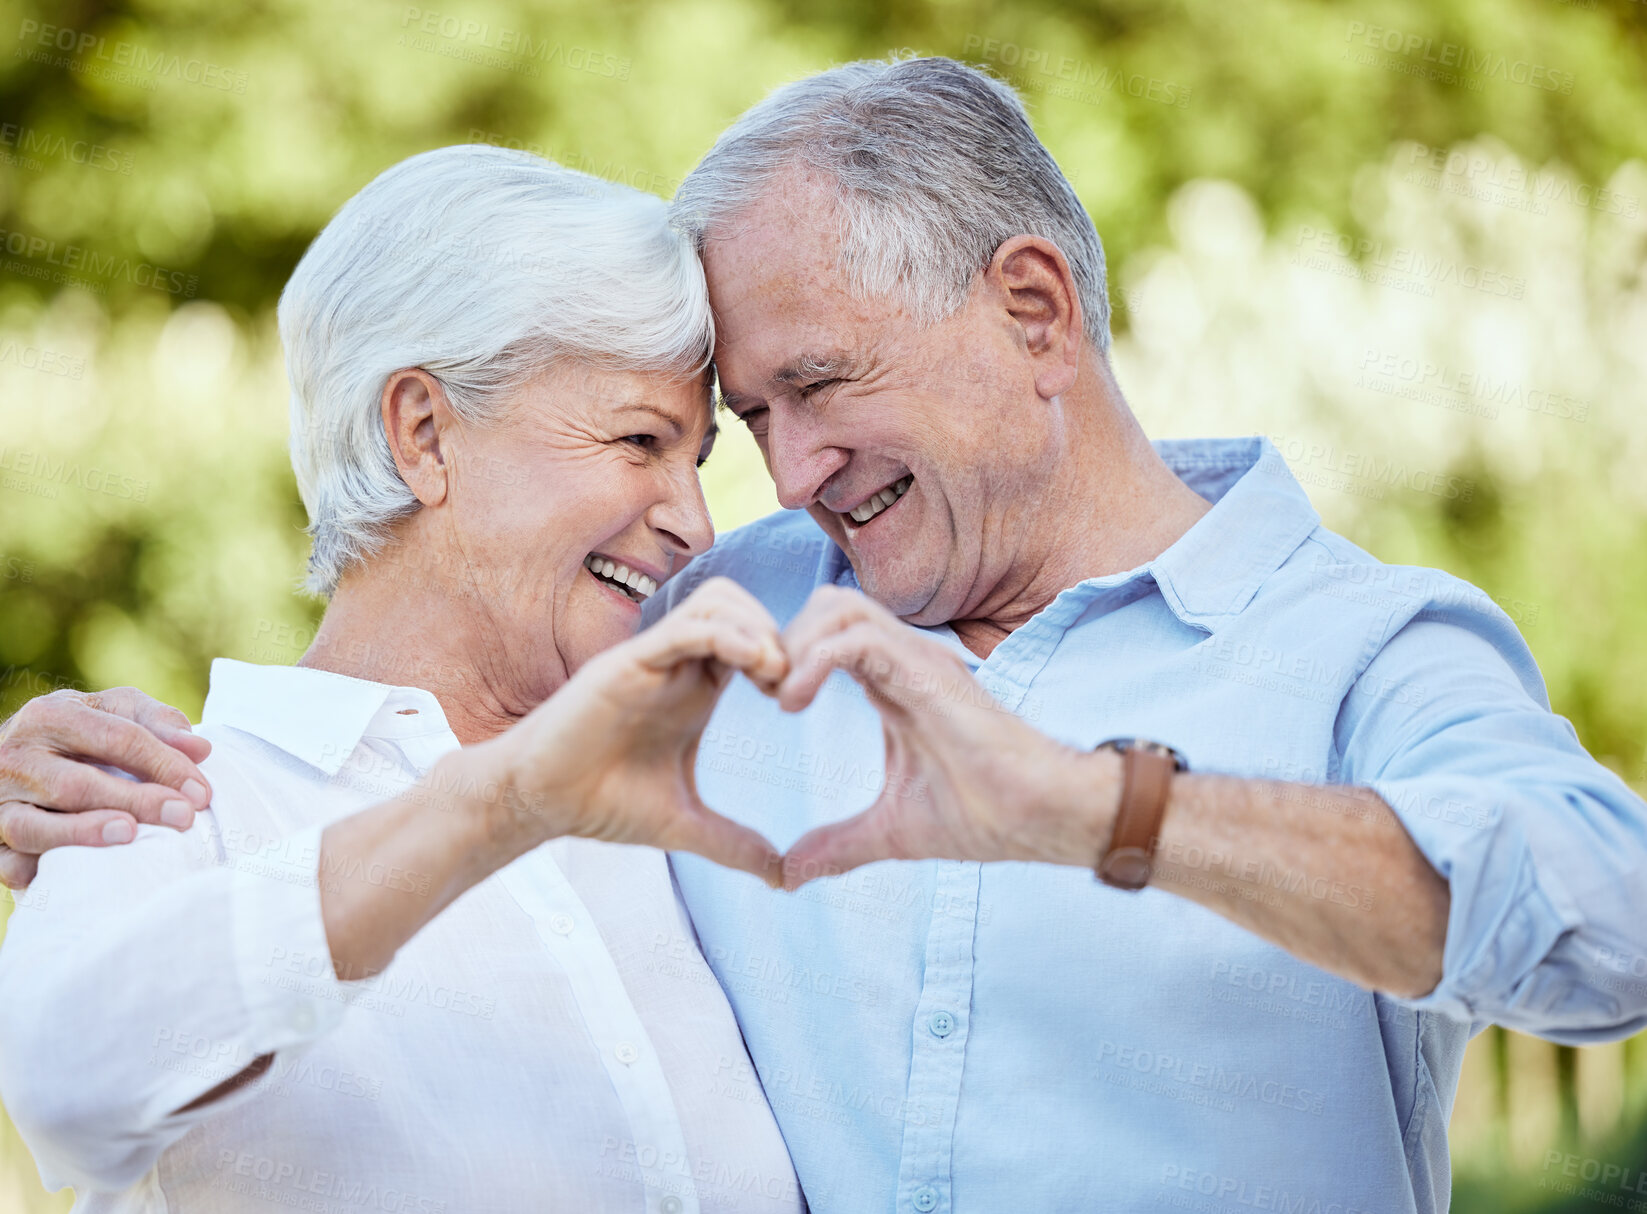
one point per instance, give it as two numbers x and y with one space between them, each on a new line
51 796
965 779
611 754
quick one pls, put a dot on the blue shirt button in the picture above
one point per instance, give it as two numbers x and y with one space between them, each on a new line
926 1198
942 1024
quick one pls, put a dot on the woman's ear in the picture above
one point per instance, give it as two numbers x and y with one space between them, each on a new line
1040 295
416 419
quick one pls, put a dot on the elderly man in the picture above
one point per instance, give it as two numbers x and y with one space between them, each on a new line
1335 827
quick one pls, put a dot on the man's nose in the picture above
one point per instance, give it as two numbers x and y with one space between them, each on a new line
799 458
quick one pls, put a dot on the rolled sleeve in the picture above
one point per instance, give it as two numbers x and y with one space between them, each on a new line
141 978
288 985
1543 849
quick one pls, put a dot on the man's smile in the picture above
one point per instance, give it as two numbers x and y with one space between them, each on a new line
875 504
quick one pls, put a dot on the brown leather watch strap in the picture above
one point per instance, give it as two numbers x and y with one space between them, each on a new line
1146 782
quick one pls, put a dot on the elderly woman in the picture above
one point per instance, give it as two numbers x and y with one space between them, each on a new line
499 402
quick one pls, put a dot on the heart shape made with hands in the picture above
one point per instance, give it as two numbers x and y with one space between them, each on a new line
965 778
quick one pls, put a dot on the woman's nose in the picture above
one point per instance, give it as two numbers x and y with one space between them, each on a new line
682 516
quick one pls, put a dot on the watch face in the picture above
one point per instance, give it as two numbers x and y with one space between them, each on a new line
1122 745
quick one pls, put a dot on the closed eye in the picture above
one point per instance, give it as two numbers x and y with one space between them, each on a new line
817 385
646 441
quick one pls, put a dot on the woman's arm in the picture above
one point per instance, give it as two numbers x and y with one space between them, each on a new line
149 985
608 756
141 978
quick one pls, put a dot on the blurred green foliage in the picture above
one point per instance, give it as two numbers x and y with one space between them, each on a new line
163 164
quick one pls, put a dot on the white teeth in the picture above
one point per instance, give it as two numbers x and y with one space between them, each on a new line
873 506
638 586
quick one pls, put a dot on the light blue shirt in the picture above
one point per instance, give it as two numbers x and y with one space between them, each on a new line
941 1036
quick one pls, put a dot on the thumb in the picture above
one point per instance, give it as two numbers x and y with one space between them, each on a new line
706 833
828 851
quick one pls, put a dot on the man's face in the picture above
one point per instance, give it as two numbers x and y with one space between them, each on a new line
854 405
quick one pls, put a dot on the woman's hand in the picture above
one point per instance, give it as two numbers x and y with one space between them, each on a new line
611 754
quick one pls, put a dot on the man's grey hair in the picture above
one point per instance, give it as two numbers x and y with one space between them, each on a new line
484 267
935 165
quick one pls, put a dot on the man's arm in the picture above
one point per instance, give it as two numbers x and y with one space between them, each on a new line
1498 904
43 748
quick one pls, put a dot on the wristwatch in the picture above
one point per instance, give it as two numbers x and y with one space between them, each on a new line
1147 769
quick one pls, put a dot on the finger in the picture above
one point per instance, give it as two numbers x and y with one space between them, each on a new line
16 869
30 830
882 663
72 787
828 851
722 598
168 724
708 834
828 610
724 639
85 730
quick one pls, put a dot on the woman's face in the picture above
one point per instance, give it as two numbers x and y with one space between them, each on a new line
583 469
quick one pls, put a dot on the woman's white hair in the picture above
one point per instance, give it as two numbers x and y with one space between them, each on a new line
935 166
482 266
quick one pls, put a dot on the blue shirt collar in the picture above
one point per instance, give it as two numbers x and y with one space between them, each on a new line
1260 515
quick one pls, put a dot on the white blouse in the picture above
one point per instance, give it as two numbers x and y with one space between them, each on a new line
552 1041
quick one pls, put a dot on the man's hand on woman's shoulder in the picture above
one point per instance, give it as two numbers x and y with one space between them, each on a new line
51 795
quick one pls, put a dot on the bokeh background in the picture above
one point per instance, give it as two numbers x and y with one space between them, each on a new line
1405 238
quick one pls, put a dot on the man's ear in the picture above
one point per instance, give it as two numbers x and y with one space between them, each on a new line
1034 278
416 418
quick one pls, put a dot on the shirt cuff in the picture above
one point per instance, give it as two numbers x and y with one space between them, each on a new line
291 992
1504 918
